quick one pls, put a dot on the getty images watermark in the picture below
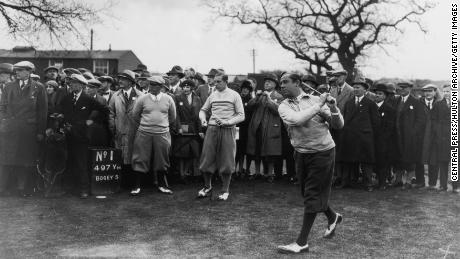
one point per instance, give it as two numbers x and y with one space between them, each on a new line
454 94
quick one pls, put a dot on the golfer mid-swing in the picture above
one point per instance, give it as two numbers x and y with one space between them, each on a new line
308 119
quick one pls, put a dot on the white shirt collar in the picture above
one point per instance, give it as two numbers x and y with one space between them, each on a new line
404 98
379 104
25 82
79 94
128 92
359 98
173 88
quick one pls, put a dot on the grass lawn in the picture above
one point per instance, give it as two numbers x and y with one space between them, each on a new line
257 217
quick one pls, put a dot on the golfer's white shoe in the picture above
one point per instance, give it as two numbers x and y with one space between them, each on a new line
135 191
293 248
164 190
331 228
223 196
205 192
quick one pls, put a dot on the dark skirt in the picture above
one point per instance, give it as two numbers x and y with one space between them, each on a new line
315 172
186 146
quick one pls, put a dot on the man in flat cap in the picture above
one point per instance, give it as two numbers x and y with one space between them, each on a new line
121 121
392 98
23 115
309 81
204 90
65 89
440 153
99 135
339 88
219 147
428 100
410 127
80 111
342 92
106 87
6 72
51 73
357 147
264 132
385 135
175 75
154 113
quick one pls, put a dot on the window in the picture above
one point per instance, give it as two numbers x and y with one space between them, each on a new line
101 66
59 63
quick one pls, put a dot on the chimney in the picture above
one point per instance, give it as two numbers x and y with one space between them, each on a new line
91 46
110 47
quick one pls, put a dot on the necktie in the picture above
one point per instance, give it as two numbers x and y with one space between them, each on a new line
339 90
74 99
189 99
21 84
357 101
125 95
429 105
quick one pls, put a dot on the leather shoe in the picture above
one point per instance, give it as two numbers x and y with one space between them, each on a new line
331 228
293 248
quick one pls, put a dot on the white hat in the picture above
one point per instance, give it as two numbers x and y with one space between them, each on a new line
35 76
156 79
25 65
79 78
429 87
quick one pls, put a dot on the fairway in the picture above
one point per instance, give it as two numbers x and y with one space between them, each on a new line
258 217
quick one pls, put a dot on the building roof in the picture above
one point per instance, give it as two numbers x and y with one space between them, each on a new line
20 52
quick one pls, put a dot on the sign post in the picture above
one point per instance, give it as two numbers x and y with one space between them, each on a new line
105 170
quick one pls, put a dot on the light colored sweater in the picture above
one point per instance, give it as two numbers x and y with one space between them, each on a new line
308 123
154 117
225 106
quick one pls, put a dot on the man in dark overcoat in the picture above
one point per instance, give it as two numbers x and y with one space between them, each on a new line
99 135
23 115
440 142
357 147
410 125
385 135
264 132
65 88
6 71
428 100
342 92
80 111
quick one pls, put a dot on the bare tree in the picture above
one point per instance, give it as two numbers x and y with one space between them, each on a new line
26 18
323 32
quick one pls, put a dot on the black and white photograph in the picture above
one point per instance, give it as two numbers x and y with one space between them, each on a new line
229 129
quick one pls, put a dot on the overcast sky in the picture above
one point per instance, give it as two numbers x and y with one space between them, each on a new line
163 33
